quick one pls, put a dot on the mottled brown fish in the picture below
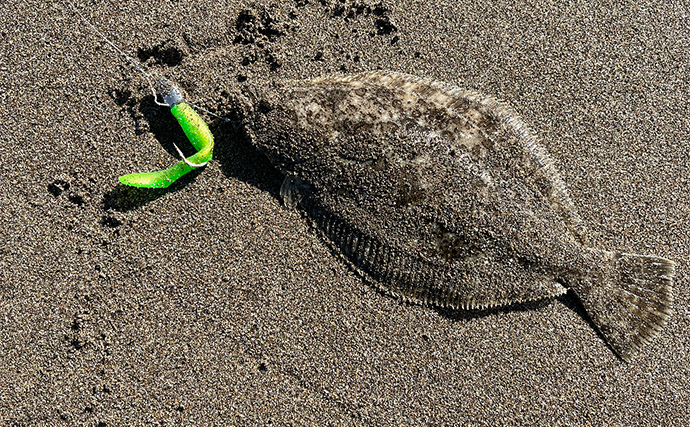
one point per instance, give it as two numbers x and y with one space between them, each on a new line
444 197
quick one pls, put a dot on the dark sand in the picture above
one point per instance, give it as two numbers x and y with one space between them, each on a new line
211 304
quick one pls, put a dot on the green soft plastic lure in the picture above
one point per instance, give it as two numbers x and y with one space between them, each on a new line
197 132
193 126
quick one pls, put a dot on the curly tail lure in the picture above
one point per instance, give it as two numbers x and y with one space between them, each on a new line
197 132
192 124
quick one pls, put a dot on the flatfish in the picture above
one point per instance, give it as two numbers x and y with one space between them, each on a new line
444 197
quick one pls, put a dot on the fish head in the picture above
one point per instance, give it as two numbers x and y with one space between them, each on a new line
272 117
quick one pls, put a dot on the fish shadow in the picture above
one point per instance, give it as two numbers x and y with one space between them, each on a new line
571 301
568 299
239 160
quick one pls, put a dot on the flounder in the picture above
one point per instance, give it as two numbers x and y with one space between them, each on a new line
444 197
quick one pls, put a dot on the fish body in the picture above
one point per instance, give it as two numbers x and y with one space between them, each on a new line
443 196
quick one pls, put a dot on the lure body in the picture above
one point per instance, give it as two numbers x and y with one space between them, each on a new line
444 197
197 132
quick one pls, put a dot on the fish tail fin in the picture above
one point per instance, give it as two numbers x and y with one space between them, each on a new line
630 300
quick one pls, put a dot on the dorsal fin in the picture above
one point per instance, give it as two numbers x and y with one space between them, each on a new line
413 278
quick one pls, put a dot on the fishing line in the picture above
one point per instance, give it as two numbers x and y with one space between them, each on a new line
225 119
194 127
137 65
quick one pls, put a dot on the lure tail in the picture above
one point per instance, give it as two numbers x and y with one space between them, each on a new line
629 300
158 179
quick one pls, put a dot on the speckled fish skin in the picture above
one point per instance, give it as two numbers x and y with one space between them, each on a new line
443 196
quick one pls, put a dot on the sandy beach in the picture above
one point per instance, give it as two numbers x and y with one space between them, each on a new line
210 303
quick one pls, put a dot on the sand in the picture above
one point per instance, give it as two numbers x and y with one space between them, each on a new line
211 304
